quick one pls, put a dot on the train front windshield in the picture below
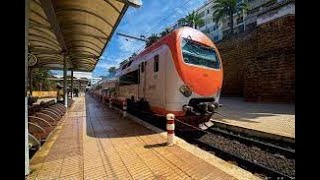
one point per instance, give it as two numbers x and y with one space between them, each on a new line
198 54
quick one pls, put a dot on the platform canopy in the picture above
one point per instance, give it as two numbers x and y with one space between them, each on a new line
78 30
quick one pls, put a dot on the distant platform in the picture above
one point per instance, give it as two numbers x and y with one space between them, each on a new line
268 118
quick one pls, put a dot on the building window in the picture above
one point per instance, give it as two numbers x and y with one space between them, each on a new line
215 27
201 14
226 32
208 11
239 20
208 21
142 67
216 38
269 3
253 10
156 63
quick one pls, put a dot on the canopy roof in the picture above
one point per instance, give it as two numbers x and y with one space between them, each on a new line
78 30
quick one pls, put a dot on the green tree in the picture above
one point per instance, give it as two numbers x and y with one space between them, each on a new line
112 71
193 20
132 56
40 79
152 39
182 21
166 31
123 62
223 8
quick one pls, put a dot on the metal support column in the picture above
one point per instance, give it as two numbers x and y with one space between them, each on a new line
71 84
79 91
65 93
26 40
30 80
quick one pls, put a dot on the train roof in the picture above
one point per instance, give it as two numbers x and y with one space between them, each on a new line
132 64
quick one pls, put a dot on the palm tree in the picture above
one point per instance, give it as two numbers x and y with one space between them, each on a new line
166 31
123 62
133 55
182 22
224 8
151 39
193 20
112 71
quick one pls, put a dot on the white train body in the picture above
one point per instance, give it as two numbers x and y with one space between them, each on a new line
154 77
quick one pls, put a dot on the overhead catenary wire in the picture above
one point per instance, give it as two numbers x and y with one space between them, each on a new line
181 5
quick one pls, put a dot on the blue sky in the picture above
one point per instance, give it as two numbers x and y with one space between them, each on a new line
152 17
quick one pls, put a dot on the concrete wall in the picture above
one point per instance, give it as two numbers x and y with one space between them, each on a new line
44 94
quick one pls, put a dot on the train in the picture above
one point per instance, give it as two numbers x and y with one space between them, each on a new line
181 74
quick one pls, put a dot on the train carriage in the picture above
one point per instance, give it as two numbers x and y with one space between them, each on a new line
181 74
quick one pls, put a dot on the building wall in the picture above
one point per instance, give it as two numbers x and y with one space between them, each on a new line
210 28
260 65
95 80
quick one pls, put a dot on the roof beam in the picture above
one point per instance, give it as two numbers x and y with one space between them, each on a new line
86 34
34 23
124 9
133 3
67 8
82 41
76 55
39 51
107 1
51 15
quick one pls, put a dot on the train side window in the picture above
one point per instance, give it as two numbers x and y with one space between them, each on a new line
139 71
129 78
156 63
142 67
124 66
129 64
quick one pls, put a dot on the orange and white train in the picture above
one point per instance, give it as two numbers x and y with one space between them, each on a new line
181 74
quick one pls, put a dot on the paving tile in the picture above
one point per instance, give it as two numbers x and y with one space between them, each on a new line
95 143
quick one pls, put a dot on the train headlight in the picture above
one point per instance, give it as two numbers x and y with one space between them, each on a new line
185 90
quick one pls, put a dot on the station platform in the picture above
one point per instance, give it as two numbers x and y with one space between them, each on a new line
95 142
268 118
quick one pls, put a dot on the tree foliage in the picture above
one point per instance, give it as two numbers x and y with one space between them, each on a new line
223 8
152 39
40 79
193 20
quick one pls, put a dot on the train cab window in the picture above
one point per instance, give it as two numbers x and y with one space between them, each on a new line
142 67
198 54
156 63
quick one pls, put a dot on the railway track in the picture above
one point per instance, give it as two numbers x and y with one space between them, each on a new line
267 160
275 147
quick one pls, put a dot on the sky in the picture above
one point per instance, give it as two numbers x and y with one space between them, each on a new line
152 17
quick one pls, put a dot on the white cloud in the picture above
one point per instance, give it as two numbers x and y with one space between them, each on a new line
128 45
106 65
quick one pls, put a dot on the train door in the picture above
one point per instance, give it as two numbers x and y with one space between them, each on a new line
142 80
153 81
